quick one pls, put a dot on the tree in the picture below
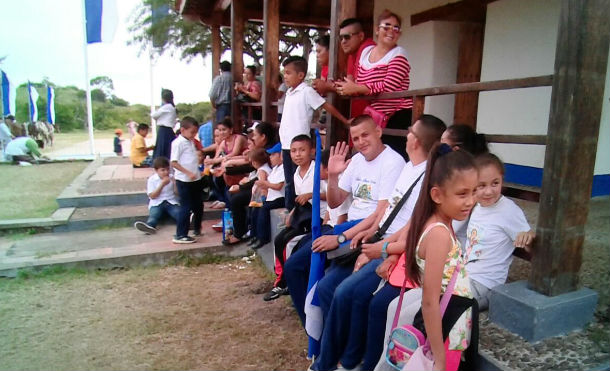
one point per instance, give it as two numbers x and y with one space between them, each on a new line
104 84
173 34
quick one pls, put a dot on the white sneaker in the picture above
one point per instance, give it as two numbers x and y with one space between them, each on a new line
341 368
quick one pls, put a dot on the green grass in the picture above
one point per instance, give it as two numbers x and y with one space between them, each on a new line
30 192
64 140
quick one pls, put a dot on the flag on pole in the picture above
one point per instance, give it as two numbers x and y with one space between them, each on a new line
313 312
33 95
50 105
8 96
101 18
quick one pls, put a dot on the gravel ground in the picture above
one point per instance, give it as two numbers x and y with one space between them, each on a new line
586 349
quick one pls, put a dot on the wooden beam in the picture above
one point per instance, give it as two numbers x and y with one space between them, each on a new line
527 82
470 59
340 10
581 59
516 139
419 103
271 55
237 52
216 49
461 11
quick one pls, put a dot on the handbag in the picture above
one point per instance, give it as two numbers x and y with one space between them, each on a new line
381 119
408 348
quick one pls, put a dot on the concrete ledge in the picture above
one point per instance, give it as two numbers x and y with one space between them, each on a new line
108 199
59 217
158 253
534 316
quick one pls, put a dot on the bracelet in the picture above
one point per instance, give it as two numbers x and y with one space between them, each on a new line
384 250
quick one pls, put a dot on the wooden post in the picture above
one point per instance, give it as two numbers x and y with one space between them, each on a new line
271 58
216 48
581 60
237 52
340 10
470 58
419 103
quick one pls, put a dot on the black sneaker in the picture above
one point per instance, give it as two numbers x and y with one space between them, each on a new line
275 293
143 227
197 233
183 240
252 241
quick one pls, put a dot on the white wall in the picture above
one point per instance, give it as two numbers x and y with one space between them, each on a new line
602 161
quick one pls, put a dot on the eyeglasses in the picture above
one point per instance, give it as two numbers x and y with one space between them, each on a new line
386 27
346 37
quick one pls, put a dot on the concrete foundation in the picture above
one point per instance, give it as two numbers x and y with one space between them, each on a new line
535 316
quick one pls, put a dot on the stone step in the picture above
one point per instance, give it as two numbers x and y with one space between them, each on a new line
89 218
100 200
122 247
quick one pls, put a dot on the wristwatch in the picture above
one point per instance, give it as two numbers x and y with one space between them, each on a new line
384 250
341 238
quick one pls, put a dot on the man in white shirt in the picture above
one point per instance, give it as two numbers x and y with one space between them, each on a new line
369 177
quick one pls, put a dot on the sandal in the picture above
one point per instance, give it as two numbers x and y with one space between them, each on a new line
231 241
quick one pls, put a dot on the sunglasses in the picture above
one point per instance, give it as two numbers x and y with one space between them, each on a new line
346 37
386 27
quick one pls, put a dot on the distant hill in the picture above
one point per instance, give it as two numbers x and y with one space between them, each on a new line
109 111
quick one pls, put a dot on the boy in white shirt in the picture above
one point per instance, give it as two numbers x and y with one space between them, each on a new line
300 103
161 190
185 161
299 219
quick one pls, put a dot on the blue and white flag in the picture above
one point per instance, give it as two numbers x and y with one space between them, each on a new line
313 313
33 95
50 105
8 96
101 17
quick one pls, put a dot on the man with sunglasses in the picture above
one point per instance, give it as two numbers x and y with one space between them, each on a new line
353 41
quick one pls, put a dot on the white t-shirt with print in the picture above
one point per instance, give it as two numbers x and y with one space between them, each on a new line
491 233
276 176
167 193
299 105
303 185
370 181
407 176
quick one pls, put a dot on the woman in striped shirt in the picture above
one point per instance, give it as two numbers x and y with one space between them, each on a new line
384 68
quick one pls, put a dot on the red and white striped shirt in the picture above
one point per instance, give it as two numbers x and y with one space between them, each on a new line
389 74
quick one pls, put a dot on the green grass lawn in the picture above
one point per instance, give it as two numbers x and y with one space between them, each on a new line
63 140
30 191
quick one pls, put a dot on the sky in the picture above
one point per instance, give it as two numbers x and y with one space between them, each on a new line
44 38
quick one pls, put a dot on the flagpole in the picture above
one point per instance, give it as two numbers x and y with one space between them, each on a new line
87 87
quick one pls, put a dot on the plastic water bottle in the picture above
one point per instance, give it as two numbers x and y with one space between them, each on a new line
227 224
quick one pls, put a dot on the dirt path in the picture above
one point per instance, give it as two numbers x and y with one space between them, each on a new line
210 317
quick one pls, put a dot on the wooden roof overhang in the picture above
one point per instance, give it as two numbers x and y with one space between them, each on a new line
299 13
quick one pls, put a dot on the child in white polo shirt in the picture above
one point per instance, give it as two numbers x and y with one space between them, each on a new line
161 190
185 161
300 103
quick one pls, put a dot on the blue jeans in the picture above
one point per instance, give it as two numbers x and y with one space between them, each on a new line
190 200
222 110
289 170
375 333
296 268
156 212
344 335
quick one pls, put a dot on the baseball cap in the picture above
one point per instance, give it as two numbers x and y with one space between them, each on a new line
277 148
